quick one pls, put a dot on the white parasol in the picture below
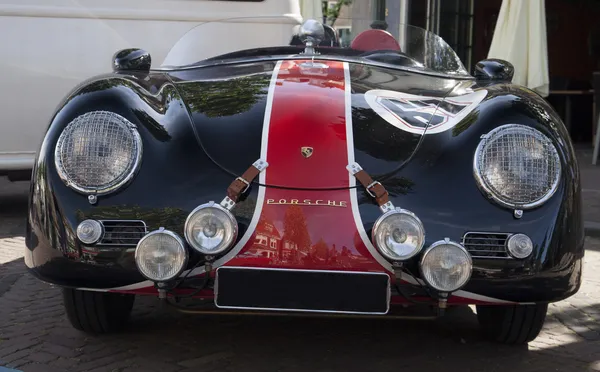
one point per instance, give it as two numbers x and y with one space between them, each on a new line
520 38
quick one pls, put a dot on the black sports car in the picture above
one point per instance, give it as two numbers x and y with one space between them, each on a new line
309 178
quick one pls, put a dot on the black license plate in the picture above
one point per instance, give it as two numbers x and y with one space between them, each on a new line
302 290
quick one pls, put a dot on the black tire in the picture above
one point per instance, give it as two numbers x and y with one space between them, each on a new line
512 324
97 312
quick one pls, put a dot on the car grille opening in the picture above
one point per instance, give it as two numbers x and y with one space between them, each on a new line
122 233
486 245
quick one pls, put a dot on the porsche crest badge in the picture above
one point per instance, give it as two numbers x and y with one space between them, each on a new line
306 151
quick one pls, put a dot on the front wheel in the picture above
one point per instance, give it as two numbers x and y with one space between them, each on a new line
97 312
512 324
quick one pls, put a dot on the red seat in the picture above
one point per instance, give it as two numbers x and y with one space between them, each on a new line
371 40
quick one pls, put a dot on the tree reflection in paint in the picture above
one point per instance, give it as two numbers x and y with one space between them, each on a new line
225 97
320 251
295 228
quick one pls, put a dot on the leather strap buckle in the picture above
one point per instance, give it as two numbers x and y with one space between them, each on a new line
244 182
372 186
241 184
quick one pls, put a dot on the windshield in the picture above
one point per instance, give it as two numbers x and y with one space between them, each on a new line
350 39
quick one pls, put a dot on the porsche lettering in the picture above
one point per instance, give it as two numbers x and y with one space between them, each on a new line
318 202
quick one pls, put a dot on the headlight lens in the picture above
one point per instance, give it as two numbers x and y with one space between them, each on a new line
161 256
446 266
98 152
399 235
517 166
211 229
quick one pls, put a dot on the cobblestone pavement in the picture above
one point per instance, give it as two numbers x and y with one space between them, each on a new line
35 335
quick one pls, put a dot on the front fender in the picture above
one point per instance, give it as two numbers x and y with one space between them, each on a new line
171 180
444 194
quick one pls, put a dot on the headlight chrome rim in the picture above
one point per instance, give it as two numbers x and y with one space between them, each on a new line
125 178
229 216
181 244
451 243
382 218
488 190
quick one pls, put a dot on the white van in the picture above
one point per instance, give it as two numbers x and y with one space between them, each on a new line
49 46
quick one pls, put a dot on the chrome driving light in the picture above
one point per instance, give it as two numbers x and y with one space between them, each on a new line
519 246
161 256
446 266
211 229
90 231
398 235
517 166
98 152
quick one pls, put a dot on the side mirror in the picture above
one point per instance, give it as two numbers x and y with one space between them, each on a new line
495 70
132 60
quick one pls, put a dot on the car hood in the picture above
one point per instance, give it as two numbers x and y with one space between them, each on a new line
309 120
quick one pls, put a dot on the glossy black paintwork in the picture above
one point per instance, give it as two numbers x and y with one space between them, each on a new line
495 70
433 178
219 106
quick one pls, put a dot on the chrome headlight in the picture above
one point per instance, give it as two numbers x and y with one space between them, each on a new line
398 234
161 256
517 166
446 266
98 152
211 229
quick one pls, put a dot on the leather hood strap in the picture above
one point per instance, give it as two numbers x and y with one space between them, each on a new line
374 188
242 183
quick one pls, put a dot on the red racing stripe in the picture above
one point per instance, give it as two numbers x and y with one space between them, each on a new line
305 228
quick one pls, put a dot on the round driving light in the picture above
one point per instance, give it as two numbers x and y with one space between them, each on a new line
90 231
161 256
446 266
211 229
519 246
398 234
